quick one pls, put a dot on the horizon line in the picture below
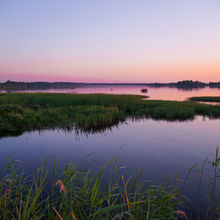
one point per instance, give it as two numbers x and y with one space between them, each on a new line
81 82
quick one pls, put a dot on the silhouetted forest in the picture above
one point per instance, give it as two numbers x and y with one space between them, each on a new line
186 84
12 85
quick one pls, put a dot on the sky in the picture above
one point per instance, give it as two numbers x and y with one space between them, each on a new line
110 40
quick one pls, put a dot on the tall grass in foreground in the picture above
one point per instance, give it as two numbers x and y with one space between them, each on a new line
208 173
79 193
82 193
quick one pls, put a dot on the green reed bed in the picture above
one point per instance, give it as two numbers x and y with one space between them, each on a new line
84 193
177 111
91 112
205 99
79 194
57 100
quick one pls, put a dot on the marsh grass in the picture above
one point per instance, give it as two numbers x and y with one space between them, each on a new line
208 173
35 100
79 194
106 193
90 112
205 99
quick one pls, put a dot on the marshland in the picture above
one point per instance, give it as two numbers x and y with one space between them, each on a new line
31 111
205 99
75 135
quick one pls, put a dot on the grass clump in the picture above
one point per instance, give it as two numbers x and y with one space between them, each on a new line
79 194
36 100
82 193
205 99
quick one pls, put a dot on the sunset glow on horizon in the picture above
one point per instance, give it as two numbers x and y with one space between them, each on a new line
110 41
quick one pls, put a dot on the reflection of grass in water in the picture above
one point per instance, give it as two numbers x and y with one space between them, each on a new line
79 194
89 112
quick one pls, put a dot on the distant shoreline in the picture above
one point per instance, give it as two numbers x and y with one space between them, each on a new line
187 84
13 85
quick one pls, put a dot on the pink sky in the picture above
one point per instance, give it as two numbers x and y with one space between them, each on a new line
59 70
110 41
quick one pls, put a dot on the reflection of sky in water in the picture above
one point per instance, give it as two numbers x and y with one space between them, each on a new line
157 147
154 93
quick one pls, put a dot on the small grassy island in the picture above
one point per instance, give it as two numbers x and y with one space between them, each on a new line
21 112
205 99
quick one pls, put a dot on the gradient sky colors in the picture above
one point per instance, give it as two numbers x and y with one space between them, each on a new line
110 40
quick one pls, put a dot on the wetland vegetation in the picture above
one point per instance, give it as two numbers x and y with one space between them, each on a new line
205 99
21 112
79 194
82 193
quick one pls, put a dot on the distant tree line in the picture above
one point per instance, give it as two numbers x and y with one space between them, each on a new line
186 84
12 85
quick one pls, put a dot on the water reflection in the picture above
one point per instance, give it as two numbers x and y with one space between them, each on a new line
158 148
78 130
163 93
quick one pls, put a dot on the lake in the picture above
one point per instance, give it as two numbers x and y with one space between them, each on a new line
161 149
153 93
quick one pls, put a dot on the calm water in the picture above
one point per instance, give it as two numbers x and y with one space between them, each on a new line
159 148
153 93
